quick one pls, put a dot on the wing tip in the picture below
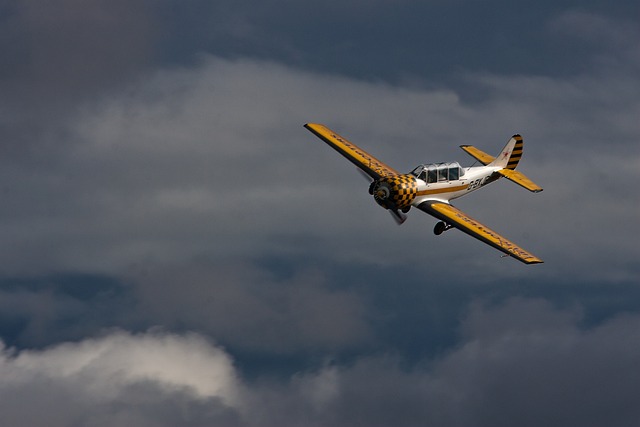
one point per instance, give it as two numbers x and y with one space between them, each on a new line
311 125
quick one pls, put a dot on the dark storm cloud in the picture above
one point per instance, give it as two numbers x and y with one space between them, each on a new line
217 154
520 362
41 311
250 310
424 43
164 179
57 52
56 56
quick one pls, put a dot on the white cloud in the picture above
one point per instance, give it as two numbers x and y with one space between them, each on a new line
118 377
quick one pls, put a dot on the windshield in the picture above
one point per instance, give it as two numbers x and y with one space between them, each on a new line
438 172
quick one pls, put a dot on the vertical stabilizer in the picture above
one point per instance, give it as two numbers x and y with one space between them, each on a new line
510 154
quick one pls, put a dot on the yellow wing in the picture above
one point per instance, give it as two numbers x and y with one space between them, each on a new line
365 161
520 179
478 154
465 223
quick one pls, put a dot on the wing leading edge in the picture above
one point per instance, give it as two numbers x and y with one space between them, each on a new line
365 161
465 223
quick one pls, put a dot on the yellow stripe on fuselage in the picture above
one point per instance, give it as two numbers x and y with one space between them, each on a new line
442 190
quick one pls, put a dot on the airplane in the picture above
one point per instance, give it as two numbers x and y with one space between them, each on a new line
431 187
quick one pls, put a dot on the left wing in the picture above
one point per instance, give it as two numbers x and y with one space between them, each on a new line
465 223
365 161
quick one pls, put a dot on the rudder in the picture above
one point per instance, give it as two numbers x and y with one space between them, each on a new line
510 154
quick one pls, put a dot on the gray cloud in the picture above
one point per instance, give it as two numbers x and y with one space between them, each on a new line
521 362
58 56
214 162
71 49
250 310
155 172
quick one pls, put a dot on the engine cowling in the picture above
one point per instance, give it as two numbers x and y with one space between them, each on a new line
395 192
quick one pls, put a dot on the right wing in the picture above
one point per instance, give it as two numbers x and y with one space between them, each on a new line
365 161
465 223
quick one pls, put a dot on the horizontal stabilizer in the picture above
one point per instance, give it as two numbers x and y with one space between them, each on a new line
520 179
478 154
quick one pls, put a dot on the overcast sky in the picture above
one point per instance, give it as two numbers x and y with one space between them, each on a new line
179 250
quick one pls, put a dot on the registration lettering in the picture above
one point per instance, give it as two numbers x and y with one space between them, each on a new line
477 183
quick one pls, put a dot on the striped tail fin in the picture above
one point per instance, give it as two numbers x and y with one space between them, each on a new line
516 154
510 154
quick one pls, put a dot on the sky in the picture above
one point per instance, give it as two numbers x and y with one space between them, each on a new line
179 250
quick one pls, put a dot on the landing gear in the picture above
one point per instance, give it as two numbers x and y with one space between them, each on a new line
440 228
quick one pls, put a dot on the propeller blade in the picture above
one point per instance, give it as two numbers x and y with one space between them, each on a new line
365 175
398 216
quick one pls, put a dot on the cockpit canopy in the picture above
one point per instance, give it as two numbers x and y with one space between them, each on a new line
438 172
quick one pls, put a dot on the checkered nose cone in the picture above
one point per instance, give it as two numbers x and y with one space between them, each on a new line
395 192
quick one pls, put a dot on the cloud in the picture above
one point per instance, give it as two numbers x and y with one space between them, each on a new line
253 310
120 379
528 363
616 40
73 49
521 363
189 196
212 162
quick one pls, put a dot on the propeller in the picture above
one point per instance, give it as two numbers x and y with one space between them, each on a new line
398 216
365 175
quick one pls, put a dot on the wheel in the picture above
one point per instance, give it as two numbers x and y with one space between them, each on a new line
439 228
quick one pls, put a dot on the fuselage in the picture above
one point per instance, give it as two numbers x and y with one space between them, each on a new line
435 185
437 181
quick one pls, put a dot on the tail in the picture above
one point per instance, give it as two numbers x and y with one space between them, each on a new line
507 160
510 154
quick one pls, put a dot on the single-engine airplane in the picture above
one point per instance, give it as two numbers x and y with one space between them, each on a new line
430 187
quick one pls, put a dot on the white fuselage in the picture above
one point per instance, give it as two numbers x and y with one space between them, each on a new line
472 179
